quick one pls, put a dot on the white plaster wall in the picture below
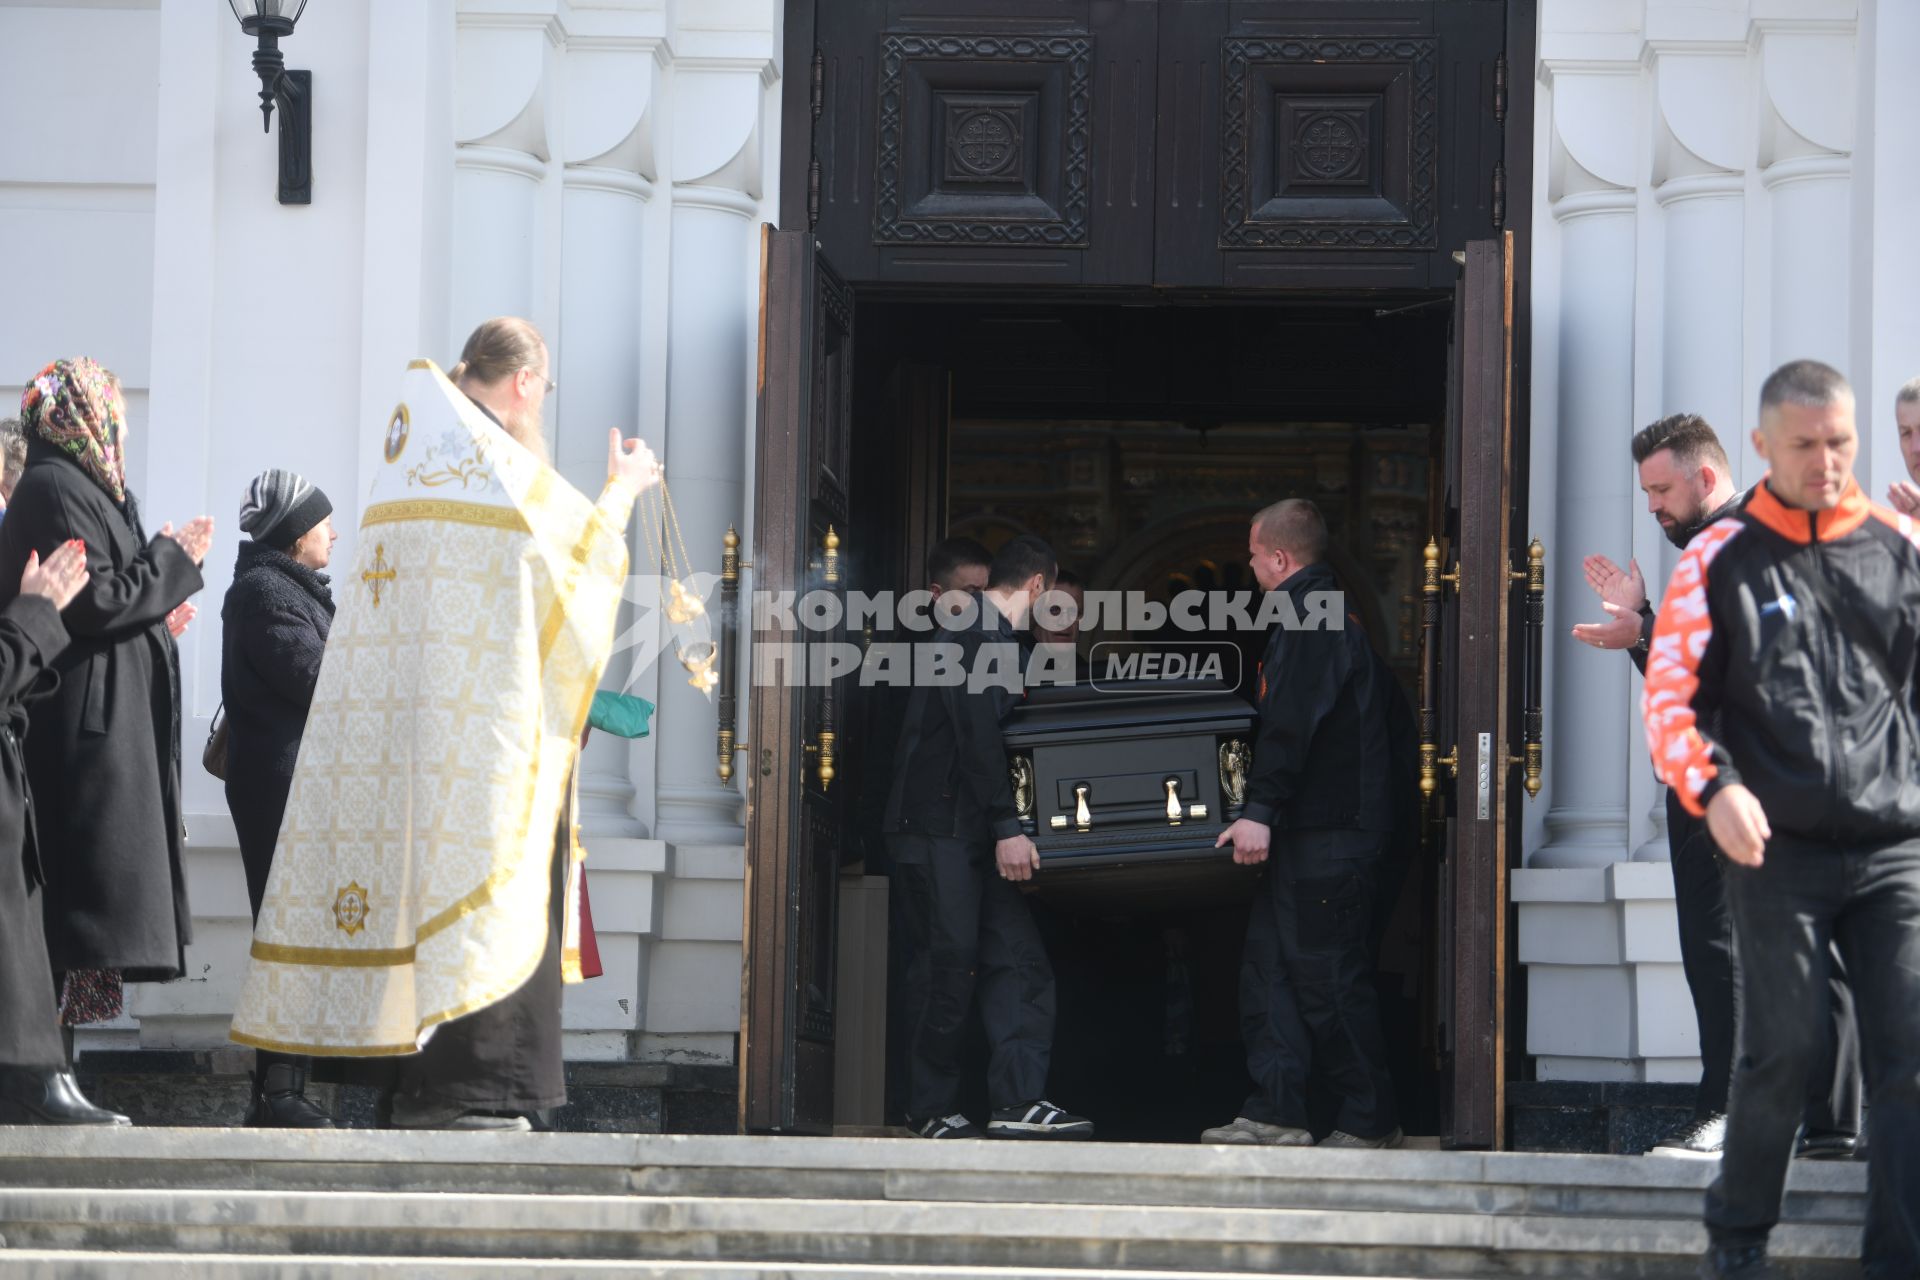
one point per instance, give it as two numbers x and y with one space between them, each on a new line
1743 157
471 157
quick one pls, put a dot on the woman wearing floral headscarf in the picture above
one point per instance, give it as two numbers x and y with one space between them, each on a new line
103 741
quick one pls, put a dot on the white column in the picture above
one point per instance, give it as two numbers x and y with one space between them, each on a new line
1805 140
1587 825
716 126
506 106
607 186
707 407
1811 318
406 228
1702 293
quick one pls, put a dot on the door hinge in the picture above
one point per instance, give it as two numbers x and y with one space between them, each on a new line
1499 195
817 102
1499 89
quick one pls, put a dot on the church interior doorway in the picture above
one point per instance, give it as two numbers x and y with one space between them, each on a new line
1138 437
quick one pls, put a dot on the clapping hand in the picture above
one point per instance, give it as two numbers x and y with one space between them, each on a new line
60 577
1623 593
632 463
196 539
177 620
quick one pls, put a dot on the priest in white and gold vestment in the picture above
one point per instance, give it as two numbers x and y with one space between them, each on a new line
422 895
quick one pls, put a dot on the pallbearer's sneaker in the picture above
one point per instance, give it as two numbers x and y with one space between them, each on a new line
1827 1146
1736 1262
1255 1133
1698 1139
1340 1139
953 1126
1038 1119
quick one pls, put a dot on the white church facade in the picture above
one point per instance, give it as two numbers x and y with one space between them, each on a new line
1716 186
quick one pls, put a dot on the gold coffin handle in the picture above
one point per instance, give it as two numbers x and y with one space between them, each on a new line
1173 801
830 546
823 766
1082 816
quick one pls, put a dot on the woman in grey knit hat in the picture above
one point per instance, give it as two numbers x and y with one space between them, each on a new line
276 617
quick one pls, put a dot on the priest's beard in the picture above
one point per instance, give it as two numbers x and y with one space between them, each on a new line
526 429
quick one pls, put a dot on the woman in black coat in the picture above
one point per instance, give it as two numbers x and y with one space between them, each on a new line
103 752
276 617
36 1085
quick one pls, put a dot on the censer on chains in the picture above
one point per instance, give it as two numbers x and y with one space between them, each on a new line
686 611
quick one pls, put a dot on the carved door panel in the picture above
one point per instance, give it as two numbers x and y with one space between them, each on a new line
1468 704
796 816
1326 144
1261 143
985 142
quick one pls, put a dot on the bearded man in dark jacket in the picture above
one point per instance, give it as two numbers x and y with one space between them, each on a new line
103 749
275 622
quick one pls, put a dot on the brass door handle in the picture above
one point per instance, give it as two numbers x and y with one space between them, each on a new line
1431 577
823 767
1431 763
1533 628
723 666
727 746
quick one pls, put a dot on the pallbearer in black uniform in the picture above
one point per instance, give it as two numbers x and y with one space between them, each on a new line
1319 813
36 1087
958 853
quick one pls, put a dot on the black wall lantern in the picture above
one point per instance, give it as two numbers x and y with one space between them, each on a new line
292 90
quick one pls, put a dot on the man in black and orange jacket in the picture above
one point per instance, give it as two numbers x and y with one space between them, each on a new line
1792 628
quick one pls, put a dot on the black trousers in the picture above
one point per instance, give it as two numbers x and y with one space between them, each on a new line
1308 1008
508 1056
967 932
1786 914
1706 955
29 1016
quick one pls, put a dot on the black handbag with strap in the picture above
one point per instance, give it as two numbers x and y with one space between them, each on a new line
214 756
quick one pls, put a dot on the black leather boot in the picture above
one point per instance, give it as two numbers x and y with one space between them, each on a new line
48 1095
280 1099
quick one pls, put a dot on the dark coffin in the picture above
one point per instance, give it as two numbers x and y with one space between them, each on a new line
1091 769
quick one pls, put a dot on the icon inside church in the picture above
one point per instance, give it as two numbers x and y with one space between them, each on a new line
397 428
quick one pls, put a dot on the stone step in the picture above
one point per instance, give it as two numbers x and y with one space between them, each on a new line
880 1169
778 1206
1111 1238
25 1264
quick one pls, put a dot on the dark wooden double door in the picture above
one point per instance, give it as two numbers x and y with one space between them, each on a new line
997 144
1163 143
